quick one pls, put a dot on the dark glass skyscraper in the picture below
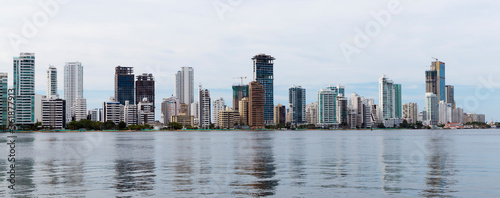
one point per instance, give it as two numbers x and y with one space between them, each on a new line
239 92
124 85
263 73
435 80
145 88
297 100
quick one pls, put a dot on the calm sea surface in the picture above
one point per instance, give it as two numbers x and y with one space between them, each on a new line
443 163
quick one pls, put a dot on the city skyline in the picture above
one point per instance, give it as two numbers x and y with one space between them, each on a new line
307 57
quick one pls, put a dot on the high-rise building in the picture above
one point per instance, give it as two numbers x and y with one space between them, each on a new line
204 106
450 95
342 111
73 89
369 113
79 109
312 113
184 85
112 111
145 112
219 105
458 115
195 112
387 98
243 109
124 85
24 89
145 88
239 92
53 112
432 108
38 107
445 112
129 113
263 72
52 82
410 112
327 104
356 104
169 107
256 105
4 103
280 114
435 80
398 101
297 100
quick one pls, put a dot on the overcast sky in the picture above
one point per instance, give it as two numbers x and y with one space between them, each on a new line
218 37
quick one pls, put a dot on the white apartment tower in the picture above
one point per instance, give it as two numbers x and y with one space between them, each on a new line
73 89
52 82
184 85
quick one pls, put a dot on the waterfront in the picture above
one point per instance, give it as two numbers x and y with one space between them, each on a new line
407 163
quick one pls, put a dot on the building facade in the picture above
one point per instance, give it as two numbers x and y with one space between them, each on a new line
24 89
145 88
280 114
256 103
129 113
145 112
184 85
4 103
228 118
435 80
124 85
312 113
410 112
387 98
243 110
219 105
327 104
73 88
450 95
169 107
398 101
342 110
297 100
263 72
112 111
52 82
432 108
239 92
53 112
204 106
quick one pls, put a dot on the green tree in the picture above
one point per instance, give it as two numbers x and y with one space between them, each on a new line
122 125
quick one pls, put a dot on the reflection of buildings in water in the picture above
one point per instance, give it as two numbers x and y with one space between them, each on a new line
297 162
184 167
255 158
441 169
67 175
135 165
334 163
206 179
392 165
24 177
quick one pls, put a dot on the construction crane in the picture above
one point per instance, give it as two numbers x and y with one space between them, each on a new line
241 77
435 59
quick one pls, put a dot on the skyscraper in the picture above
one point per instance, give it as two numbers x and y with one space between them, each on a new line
263 72
24 88
342 111
219 105
79 109
239 92
398 101
410 112
432 108
52 82
169 107
73 89
327 104
53 112
184 85
312 113
387 98
280 114
124 85
435 81
4 105
450 95
297 100
145 88
243 109
256 105
205 112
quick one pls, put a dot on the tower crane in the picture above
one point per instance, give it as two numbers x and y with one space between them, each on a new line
241 77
